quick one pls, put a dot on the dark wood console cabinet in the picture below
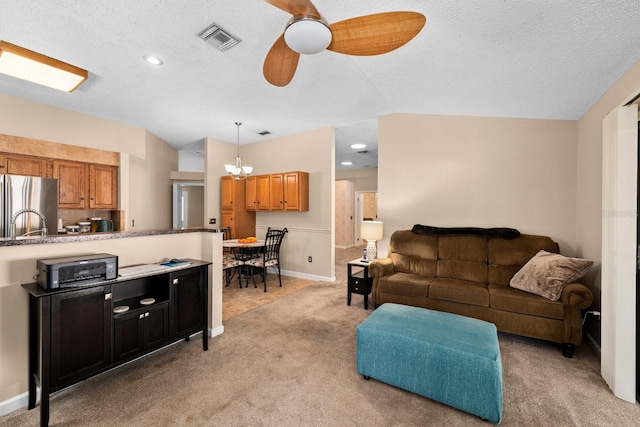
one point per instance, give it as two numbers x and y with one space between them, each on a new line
75 334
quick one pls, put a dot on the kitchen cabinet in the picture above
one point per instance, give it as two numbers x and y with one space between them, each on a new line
289 191
86 186
233 213
75 333
17 164
257 193
103 187
72 184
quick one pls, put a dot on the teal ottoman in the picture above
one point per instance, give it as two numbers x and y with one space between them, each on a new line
446 357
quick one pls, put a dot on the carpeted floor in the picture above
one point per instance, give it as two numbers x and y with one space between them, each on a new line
291 362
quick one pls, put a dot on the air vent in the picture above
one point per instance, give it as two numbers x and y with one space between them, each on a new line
264 132
218 37
363 152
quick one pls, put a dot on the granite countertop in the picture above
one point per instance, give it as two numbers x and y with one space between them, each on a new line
85 237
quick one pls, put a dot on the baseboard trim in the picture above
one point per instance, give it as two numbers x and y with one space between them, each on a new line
17 402
214 332
298 275
593 343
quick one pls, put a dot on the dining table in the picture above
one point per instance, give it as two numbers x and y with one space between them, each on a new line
244 251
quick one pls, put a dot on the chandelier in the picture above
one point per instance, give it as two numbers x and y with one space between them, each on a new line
237 171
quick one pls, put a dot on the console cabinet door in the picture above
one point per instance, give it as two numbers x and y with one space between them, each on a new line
187 302
139 331
80 334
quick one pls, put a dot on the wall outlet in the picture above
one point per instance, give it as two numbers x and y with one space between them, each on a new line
310 259
212 220
133 223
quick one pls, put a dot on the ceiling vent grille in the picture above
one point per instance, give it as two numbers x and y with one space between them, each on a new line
218 37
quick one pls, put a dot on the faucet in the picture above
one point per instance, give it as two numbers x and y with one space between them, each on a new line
23 211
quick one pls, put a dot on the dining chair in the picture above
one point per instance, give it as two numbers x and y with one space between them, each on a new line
230 263
269 256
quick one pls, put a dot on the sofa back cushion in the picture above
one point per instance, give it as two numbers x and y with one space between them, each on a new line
413 253
506 257
462 257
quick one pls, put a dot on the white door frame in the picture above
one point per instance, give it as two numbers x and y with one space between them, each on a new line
619 250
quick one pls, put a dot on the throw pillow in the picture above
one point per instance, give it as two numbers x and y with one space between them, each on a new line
546 274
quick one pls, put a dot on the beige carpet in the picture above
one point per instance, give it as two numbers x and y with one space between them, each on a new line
291 362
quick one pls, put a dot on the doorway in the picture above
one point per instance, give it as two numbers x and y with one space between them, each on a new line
366 210
188 204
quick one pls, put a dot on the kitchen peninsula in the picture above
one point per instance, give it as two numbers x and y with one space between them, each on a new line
18 260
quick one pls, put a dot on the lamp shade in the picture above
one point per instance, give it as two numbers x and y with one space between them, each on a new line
25 64
371 230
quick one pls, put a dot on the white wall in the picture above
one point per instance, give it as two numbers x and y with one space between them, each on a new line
365 179
478 171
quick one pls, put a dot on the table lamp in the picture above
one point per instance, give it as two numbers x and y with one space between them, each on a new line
371 231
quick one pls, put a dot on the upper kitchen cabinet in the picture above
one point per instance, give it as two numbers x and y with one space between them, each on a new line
233 213
16 164
86 186
72 184
103 187
257 193
289 191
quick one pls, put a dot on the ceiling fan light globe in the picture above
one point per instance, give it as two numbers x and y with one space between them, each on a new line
307 36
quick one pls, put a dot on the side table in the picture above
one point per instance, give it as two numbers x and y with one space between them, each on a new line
358 281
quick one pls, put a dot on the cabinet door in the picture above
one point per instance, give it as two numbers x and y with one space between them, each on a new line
72 184
187 302
227 192
250 194
140 331
296 191
80 334
156 326
226 220
16 164
128 335
103 187
262 192
276 192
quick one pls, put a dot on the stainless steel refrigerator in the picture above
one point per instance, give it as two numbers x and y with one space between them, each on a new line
18 192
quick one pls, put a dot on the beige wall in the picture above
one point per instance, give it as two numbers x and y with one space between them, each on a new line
145 193
589 182
478 171
310 233
365 179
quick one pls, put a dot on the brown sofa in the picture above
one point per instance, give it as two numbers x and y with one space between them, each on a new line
470 274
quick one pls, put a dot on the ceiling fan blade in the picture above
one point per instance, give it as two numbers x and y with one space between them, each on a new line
296 7
280 64
375 34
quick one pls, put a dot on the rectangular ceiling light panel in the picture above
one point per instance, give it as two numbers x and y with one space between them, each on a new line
25 64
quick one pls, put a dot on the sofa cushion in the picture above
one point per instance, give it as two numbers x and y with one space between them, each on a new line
413 264
461 291
506 257
516 301
547 273
412 285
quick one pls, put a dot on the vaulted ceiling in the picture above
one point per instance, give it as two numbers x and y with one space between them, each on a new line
520 58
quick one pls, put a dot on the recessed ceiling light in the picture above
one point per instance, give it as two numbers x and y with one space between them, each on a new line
346 163
153 60
357 146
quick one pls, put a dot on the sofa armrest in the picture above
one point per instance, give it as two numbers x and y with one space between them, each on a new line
577 295
381 267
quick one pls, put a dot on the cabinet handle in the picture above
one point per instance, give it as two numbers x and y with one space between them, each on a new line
141 316
175 281
107 297
146 314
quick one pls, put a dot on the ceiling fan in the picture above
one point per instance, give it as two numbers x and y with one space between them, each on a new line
307 33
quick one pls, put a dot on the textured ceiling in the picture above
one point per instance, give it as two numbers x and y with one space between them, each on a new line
519 58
